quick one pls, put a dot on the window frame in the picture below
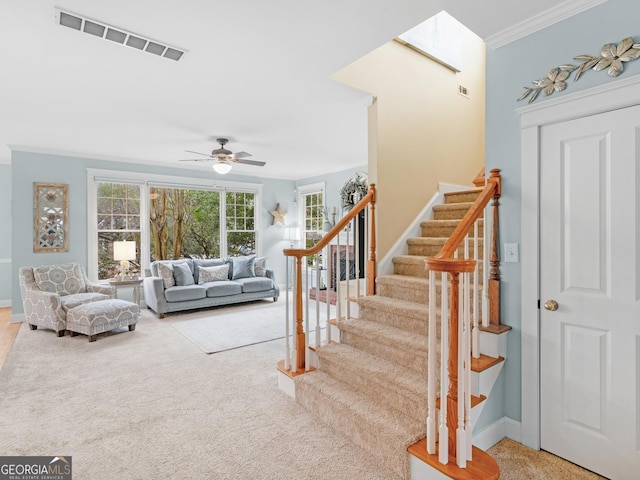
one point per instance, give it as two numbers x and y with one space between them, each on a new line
147 180
303 191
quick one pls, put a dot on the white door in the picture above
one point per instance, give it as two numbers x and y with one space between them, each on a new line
589 254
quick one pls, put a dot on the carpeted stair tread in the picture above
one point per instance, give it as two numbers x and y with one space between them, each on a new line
442 228
451 211
402 314
394 344
400 388
463 196
406 287
369 423
410 265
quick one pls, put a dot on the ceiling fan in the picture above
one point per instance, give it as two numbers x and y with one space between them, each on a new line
224 158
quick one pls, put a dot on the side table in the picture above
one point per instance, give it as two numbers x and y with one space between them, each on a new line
135 284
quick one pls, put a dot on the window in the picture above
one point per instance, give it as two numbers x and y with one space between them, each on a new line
312 198
439 38
118 218
241 229
167 219
183 223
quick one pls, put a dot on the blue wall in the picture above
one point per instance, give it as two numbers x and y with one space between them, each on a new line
5 235
37 167
509 69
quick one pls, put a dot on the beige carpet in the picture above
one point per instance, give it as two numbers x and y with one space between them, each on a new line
223 328
149 405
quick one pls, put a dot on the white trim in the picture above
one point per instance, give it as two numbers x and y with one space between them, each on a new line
540 21
504 427
615 95
5 260
5 303
17 318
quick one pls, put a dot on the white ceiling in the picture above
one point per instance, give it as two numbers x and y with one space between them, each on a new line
255 71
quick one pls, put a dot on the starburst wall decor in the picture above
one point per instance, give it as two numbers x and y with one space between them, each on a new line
612 57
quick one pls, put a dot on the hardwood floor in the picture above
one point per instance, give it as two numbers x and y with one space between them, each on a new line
8 332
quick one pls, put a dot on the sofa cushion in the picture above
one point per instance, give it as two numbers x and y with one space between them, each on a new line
71 301
205 262
255 284
213 274
223 288
243 267
63 279
182 274
182 294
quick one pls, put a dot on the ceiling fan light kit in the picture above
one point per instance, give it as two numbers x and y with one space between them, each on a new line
223 158
222 167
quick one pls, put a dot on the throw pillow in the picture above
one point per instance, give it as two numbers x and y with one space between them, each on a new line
213 274
243 267
260 267
182 274
165 270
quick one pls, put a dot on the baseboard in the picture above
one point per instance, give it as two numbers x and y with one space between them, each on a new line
5 303
501 428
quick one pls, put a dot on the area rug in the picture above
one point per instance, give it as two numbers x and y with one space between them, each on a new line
224 328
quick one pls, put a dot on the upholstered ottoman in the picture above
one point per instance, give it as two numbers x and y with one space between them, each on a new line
102 316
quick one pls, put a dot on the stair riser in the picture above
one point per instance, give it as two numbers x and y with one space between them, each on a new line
460 197
415 360
404 293
411 269
451 213
431 250
436 229
407 402
416 322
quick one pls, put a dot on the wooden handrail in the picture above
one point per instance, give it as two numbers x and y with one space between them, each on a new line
337 228
493 188
298 253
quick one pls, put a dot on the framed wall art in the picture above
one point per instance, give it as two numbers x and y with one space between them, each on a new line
50 217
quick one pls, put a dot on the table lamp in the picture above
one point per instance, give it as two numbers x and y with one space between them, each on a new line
124 251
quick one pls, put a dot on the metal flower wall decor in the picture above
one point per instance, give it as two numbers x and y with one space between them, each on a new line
612 58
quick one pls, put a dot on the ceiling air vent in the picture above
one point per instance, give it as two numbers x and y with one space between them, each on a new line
117 35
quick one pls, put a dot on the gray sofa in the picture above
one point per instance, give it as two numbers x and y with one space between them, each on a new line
186 284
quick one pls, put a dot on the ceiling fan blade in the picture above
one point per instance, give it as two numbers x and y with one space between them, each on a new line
251 162
195 159
242 155
198 153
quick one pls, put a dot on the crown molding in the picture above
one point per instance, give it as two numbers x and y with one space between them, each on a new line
540 21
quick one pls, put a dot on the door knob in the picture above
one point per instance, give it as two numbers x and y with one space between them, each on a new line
551 305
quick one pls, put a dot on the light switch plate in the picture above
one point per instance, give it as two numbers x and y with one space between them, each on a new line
511 253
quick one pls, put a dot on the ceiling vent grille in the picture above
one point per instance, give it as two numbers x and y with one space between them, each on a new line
117 35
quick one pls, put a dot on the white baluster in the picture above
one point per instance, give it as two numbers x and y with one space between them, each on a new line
475 346
467 369
358 265
347 268
318 336
287 358
431 367
338 274
305 296
294 363
485 257
461 438
325 255
443 431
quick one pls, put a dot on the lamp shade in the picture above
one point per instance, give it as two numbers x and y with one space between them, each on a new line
124 250
221 167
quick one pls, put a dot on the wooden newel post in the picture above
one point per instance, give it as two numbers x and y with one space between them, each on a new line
300 335
452 393
371 264
494 258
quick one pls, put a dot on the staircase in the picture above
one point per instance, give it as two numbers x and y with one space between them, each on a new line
372 385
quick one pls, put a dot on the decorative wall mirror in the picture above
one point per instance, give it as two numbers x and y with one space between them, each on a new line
50 217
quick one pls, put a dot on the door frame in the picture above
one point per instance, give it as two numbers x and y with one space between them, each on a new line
611 96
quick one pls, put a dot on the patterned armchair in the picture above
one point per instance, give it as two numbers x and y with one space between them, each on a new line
49 291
